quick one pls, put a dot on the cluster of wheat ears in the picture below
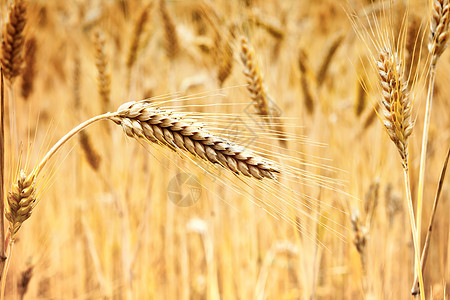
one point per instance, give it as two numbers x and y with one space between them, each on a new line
192 138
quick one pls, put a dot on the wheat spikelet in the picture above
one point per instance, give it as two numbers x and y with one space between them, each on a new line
29 70
254 79
439 23
140 120
21 201
396 105
90 153
171 44
137 33
13 41
104 76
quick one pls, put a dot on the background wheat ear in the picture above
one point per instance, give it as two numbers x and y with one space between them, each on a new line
104 75
29 70
171 44
254 78
13 41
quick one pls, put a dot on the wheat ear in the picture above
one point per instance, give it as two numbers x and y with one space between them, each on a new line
140 120
254 78
225 53
307 95
90 153
396 104
439 25
104 76
171 44
396 107
137 33
13 41
29 70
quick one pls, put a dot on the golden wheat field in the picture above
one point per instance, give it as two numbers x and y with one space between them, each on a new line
225 149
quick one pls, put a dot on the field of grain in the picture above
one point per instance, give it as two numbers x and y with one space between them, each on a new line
276 154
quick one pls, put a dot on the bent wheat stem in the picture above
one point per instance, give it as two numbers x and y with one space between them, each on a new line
67 137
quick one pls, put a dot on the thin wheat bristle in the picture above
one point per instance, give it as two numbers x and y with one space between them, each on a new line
396 104
13 41
21 201
29 70
171 44
164 127
137 33
91 155
439 28
104 76
254 79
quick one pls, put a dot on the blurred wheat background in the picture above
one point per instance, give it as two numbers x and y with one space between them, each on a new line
107 226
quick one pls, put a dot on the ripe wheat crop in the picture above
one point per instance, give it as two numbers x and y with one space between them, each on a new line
224 149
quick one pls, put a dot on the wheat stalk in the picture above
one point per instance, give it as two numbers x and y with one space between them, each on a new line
426 247
439 25
2 174
396 107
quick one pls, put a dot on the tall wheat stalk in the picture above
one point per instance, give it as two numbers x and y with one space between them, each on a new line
396 107
2 179
439 23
